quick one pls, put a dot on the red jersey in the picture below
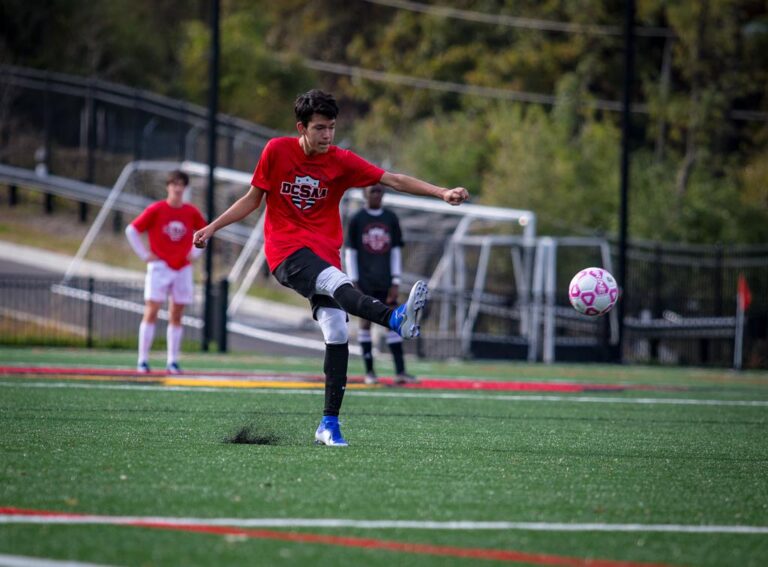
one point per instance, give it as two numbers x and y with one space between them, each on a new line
170 231
303 195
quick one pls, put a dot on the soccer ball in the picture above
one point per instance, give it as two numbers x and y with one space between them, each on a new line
593 291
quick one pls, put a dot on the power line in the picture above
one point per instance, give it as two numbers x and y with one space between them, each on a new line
459 88
516 22
492 92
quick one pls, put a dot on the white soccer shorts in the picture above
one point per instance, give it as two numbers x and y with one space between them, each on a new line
162 281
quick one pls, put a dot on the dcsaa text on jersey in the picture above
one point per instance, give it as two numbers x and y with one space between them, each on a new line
304 192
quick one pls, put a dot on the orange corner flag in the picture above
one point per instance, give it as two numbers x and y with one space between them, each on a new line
743 293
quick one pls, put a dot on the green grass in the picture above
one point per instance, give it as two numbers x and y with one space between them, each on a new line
155 452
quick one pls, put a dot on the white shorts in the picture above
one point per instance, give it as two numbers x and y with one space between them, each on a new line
162 281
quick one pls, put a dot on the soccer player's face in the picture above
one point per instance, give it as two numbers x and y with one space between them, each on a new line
318 133
374 195
176 189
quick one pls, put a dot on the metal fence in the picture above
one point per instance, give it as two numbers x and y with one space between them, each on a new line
681 303
88 129
84 312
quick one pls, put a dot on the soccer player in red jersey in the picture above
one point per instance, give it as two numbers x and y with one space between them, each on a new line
169 225
303 180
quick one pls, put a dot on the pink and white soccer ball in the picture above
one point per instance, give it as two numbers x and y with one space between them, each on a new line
593 291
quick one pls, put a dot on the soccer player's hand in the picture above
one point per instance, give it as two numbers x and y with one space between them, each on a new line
200 238
392 294
455 196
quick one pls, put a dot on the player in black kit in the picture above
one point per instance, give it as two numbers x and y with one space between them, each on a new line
373 261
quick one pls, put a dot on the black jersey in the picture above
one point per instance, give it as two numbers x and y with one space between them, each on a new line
373 237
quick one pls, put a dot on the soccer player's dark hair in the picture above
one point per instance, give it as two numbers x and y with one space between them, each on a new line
178 175
315 102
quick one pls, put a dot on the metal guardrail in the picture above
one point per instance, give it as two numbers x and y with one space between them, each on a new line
97 195
135 99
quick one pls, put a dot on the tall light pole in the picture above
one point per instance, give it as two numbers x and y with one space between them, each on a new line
626 130
213 105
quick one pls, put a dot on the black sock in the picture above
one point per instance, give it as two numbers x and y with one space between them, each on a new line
335 367
367 347
356 303
397 356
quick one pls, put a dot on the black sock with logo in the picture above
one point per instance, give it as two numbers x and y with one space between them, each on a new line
356 303
397 357
335 367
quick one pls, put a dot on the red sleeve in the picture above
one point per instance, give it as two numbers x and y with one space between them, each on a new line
200 221
359 172
144 220
261 173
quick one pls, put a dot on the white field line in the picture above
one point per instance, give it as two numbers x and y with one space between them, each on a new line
378 524
21 561
421 394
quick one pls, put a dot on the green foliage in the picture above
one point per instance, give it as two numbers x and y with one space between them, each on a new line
449 150
128 41
697 172
253 83
569 180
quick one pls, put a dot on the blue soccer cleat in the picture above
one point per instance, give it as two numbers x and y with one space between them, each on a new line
143 368
329 432
405 318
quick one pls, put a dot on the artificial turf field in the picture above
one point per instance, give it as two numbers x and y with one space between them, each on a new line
569 465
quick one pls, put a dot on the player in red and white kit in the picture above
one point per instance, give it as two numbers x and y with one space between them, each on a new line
170 225
303 180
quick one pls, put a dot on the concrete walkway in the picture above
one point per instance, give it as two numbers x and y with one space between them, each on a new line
40 261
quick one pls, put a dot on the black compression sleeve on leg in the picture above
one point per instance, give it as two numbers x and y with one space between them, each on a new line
335 367
356 303
367 348
397 356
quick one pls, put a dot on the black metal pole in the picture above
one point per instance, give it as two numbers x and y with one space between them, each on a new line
626 129
213 104
222 308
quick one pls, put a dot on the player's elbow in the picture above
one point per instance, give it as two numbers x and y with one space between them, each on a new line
396 181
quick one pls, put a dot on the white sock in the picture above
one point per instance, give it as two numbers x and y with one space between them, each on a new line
364 336
173 337
393 337
146 336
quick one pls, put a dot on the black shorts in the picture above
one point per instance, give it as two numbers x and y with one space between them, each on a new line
299 272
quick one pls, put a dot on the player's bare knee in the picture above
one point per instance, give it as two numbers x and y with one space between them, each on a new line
333 324
151 309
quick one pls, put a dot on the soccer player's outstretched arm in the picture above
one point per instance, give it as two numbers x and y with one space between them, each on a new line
240 209
414 186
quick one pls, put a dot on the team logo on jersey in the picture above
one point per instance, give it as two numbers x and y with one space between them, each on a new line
175 230
304 192
376 238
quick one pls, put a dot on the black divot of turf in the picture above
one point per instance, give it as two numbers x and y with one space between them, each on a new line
247 436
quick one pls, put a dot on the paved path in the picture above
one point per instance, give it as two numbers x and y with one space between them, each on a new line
288 320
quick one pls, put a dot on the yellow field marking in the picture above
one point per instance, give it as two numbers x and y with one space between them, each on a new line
192 381
175 381
189 381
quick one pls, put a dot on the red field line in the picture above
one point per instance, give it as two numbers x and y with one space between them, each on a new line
424 384
85 371
365 543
